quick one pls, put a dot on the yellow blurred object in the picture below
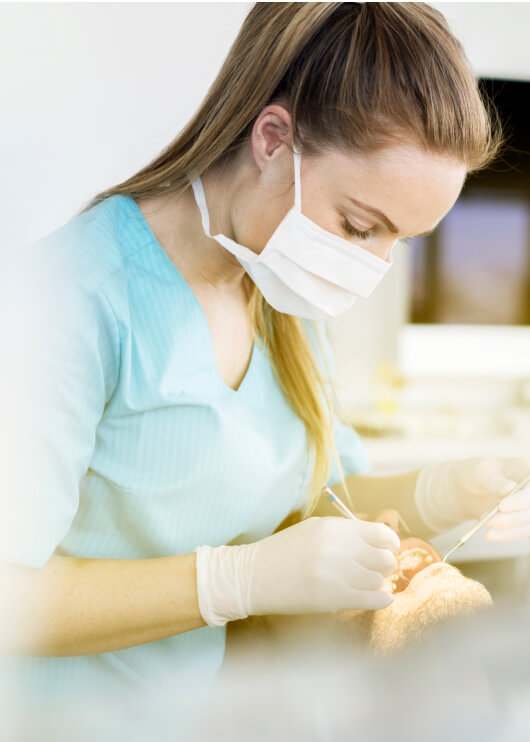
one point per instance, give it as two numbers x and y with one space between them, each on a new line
387 382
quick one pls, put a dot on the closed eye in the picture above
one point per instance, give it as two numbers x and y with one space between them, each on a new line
364 235
350 230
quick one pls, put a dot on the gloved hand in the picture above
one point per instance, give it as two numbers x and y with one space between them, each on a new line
452 492
321 564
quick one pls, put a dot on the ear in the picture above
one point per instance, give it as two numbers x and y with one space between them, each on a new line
271 130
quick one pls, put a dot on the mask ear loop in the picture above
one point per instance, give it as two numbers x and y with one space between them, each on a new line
203 206
297 181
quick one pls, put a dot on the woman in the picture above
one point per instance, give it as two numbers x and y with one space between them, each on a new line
174 349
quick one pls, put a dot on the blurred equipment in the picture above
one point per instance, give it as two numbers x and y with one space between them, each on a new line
472 275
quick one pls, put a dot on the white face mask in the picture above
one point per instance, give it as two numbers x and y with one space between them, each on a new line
303 269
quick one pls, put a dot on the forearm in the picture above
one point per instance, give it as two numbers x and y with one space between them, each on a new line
372 494
87 606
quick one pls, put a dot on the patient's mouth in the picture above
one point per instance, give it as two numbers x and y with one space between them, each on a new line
414 555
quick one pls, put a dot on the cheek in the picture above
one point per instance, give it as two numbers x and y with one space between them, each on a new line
255 229
319 211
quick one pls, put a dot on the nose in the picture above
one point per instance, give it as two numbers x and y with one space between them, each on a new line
387 256
384 251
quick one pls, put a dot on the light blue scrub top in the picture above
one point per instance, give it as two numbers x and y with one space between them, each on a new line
138 448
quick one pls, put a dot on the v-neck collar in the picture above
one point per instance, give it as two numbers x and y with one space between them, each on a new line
172 270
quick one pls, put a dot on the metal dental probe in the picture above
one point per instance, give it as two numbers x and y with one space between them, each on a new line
485 518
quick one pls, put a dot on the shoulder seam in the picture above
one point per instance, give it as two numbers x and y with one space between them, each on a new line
103 281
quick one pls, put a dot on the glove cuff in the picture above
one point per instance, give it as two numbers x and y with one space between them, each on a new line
432 496
223 582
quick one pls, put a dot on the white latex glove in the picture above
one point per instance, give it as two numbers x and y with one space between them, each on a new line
452 492
321 564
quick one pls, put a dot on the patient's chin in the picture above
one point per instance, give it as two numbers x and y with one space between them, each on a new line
426 592
435 594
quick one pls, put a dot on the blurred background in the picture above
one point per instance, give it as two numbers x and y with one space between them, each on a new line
437 363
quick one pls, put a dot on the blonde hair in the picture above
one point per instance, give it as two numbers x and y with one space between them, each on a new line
355 77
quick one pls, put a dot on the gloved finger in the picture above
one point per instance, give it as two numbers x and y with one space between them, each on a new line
354 574
380 560
371 600
505 534
380 535
518 501
510 520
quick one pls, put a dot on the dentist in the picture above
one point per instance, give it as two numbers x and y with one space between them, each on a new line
175 399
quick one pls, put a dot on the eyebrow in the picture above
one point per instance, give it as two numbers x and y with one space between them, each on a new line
379 214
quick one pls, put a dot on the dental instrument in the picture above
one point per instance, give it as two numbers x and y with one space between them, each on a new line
485 518
332 497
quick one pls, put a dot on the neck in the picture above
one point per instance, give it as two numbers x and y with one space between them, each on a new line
179 230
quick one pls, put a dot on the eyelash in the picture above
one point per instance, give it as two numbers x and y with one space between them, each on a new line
365 235
354 232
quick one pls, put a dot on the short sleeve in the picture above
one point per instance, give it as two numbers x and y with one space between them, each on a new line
350 449
61 351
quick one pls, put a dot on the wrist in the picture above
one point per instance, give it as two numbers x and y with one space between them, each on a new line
223 584
434 497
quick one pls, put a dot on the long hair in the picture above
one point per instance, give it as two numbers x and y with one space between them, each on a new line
355 77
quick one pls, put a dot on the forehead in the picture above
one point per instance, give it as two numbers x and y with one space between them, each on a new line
414 188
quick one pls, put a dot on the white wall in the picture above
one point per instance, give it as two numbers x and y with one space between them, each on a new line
494 35
91 93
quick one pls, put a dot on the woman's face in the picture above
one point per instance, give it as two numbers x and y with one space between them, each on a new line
372 200
376 199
